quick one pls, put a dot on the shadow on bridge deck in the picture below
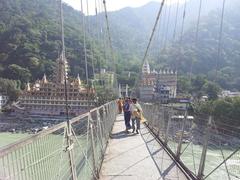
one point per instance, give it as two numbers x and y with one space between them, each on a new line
140 157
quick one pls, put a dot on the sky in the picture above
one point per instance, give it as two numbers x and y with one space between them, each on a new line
112 5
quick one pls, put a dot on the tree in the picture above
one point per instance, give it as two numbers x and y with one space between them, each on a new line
11 88
183 85
17 72
212 90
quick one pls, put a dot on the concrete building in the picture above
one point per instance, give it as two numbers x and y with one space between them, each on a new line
162 94
3 100
229 94
166 78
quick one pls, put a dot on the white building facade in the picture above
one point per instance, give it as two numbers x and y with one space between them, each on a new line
3 100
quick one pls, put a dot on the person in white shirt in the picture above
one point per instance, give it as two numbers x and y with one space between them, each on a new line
136 111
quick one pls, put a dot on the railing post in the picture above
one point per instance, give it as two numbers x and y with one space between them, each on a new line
179 148
204 150
93 146
70 152
104 121
153 116
159 120
100 128
168 127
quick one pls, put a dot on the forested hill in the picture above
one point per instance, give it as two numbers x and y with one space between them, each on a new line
203 52
131 28
30 39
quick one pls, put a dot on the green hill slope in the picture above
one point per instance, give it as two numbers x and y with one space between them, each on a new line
30 39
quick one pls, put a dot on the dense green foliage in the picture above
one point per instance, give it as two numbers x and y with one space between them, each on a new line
30 40
199 86
11 88
223 110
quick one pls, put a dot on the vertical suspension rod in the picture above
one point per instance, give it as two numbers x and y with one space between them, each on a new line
69 131
220 38
62 30
84 43
109 35
153 31
196 38
176 21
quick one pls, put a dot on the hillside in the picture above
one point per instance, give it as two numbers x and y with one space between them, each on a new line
30 39
131 27
204 52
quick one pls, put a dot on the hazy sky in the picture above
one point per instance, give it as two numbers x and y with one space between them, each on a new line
112 5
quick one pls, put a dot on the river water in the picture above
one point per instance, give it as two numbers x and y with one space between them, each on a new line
191 155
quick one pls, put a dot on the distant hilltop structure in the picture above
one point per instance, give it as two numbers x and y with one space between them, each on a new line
157 85
45 97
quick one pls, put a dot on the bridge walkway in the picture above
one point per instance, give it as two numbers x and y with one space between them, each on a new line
137 156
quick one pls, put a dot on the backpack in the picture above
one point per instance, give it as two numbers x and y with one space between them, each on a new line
126 107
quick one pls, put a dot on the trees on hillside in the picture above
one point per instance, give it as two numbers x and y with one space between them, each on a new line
225 110
10 88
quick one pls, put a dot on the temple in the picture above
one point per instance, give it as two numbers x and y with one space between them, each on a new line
45 97
157 85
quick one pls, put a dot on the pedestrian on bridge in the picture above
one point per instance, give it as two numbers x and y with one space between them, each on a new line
120 105
127 113
136 111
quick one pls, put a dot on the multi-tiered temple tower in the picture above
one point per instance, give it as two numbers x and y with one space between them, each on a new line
46 97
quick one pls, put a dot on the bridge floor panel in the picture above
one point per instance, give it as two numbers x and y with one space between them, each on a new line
140 157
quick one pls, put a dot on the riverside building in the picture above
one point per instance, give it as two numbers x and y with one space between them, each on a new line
46 97
3 100
160 86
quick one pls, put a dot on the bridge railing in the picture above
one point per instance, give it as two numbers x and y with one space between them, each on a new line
71 150
205 148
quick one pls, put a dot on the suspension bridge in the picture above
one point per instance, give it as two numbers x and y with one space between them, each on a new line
94 145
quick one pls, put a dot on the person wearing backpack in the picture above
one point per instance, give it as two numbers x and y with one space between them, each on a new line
136 113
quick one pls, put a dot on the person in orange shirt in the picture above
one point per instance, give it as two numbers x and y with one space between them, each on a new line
120 105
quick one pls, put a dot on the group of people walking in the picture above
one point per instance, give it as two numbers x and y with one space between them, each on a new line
132 111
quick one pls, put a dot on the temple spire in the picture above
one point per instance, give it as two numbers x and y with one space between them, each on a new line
146 68
28 88
78 80
61 69
44 79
